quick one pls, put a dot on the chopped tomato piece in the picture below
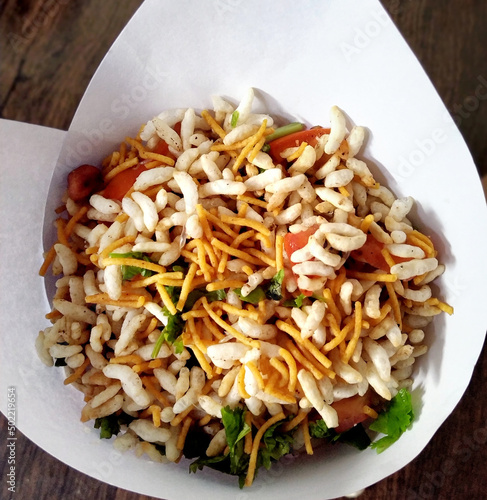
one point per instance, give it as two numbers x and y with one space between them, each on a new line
163 149
350 412
177 128
277 146
296 241
370 253
117 187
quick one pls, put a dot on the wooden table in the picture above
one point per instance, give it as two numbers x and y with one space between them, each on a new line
50 50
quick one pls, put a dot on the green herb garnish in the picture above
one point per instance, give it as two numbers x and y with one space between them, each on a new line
235 462
296 302
319 430
356 436
274 291
196 294
235 430
110 425
254 297
290 128
128 272
394 421
170 334
274 445
175 324
234 119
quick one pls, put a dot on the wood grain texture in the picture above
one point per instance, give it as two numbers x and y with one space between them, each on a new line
449 39
49 52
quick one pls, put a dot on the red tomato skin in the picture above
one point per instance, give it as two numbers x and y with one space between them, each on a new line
296 241
350 412
163 149
177 128
277 146
370 253
117 187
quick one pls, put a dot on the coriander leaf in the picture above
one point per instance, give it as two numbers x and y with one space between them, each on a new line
297 302
174 328
223 463
201 292
178 345
216 295
276 445
239 461
171 333
108 426
319 430
128 272
274 291
235 462
265 148
254 297
395 420
384 443
174 292
234 119
241 479
356 436
180 265
217 463
235 426
175 324
235 430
